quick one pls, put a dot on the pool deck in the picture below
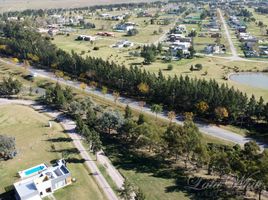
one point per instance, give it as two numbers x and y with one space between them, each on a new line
23 173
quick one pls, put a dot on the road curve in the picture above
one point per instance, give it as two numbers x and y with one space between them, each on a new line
69 125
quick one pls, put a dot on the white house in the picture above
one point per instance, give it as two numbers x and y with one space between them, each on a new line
124 27
123 43
41 181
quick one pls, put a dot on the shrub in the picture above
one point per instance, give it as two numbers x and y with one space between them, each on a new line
7 147
170 67
198 67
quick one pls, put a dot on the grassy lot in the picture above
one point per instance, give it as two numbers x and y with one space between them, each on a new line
32 4
33 141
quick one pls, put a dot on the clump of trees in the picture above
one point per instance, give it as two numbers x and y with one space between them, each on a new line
182 145
58 96
150 52
7 147
10 86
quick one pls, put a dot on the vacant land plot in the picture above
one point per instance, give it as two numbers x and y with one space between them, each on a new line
7 5
34 144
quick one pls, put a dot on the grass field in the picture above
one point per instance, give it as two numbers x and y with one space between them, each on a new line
33 4
33 142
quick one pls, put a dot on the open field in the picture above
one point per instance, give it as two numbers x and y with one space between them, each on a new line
33 142
8 5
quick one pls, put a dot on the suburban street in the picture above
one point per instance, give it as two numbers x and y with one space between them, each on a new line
69 126
229 38
208 129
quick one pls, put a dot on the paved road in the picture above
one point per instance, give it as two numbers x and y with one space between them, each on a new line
208 129
69 126
229 38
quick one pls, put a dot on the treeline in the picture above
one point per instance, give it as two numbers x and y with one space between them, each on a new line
206 99
179 144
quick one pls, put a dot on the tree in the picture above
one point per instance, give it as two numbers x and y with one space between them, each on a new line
173 140
180 53
170 67
128 112
127 190
91 118
7 147
156 108
202 107
141 119
110 120
143 88
79 124
10 86
192 51
85 132
93 84
126 131
96 143
192 139
147 135
132 32
171 116
104 90
221 113
83 86
116 96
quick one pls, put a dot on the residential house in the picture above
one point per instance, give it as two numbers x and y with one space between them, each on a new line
41 181
123 43
215 49
124 27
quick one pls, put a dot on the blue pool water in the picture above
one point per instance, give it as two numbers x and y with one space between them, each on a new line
34 170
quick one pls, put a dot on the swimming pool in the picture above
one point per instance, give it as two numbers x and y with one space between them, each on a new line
32 171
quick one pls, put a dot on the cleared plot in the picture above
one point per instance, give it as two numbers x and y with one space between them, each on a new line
6 5
34 144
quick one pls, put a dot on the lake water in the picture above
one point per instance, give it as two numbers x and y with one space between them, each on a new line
259 80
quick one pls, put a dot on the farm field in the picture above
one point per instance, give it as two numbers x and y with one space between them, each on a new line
7 5
33 142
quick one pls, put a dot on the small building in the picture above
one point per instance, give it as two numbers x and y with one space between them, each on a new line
124 27
123 43
215 49
41 181
86 38
181 28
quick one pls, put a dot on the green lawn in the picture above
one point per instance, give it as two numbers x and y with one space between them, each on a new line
33 142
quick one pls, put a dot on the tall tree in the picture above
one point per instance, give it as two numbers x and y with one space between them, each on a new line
156 108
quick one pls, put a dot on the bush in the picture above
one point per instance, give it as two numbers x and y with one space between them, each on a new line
132 32
170 67
198 67
7 147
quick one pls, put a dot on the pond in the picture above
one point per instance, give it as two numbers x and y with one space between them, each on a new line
259 80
